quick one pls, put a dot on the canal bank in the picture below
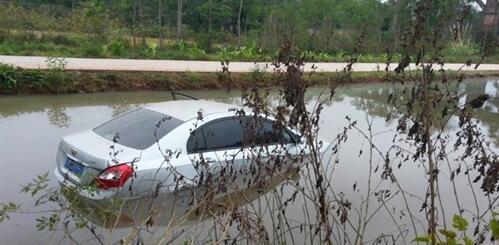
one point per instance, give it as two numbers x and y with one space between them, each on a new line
57 81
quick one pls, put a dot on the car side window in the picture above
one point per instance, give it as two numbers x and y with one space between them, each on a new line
262 131
220 134
196 142
225 133
236 132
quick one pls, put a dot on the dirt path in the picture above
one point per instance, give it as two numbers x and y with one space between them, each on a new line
37 62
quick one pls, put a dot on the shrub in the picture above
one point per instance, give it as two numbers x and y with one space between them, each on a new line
8 79
13 80
461 49
314 56
187 51
23 37
242 53
117 47
91 49
60 40
4 35
205 41
147 50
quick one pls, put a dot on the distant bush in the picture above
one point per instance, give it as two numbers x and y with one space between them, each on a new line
461 49
8 79
315 56
148 50
251 53
91 49
59 39
117 47
14 79
15 17
206 41
186 50
4 35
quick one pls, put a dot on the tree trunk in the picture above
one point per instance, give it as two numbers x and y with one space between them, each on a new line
239 21
395 28
160 27
142 33
179 19
209 16
489 21
489 25
134 14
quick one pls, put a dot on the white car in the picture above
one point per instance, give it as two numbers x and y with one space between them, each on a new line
163 147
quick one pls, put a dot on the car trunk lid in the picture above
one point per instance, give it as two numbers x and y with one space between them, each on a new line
82 156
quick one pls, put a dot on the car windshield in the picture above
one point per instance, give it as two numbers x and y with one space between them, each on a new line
138 129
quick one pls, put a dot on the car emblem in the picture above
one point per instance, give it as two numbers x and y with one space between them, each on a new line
73 152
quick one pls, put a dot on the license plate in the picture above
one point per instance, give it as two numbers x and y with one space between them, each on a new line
74 167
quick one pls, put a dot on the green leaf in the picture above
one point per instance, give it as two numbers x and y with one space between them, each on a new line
422 239
494 227
467 241
448 234
459 223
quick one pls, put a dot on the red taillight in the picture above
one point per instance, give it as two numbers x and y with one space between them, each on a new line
114 176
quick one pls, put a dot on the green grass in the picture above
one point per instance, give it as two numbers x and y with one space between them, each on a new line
55 81
60 45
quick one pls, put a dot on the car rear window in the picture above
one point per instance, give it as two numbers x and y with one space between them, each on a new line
138 129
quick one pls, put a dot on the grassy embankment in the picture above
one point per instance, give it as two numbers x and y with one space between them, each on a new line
55 81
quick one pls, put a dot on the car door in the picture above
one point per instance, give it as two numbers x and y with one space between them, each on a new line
272 149
216 150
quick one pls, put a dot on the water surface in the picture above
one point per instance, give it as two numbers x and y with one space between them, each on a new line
32 126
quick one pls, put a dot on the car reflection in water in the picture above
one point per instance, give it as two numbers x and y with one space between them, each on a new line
187 205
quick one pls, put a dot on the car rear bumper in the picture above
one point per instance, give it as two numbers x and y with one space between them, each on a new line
90 195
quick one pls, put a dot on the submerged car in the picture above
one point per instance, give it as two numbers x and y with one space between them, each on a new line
162 147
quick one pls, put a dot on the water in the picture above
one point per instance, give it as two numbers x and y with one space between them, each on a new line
32 126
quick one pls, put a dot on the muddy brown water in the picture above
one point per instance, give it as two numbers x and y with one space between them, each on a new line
32 126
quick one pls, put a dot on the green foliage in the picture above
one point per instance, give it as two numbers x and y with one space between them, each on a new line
314 56
49 223
326 29
242 53
7 208
459 223
425 239
38 184
258 75
70 205
91 50
116 48
461 49
450 236
16 17
93 19
494 225
7 77
185 50
53 80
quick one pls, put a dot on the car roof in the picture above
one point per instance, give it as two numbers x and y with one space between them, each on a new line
188 109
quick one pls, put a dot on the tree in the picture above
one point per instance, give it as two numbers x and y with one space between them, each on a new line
179 19
490 21
239 20
490 18
160 27
134 19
